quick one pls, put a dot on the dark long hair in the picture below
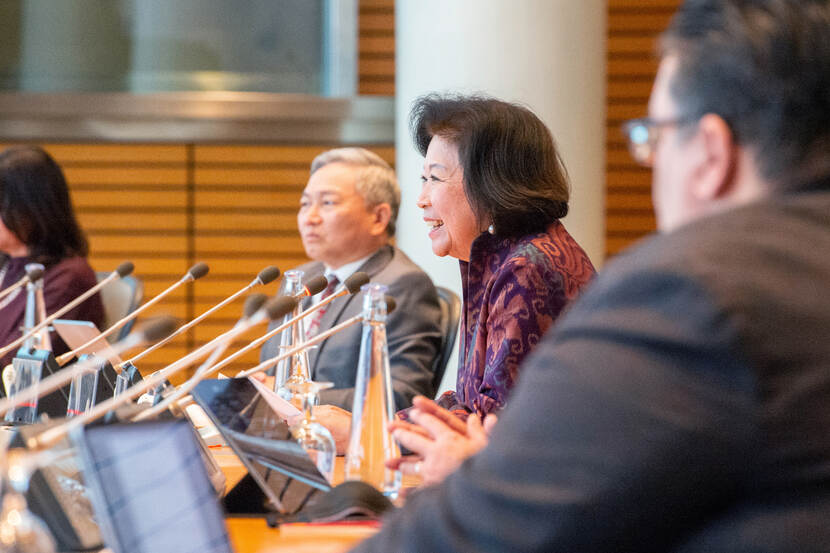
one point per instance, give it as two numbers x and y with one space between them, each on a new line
35 205
513 175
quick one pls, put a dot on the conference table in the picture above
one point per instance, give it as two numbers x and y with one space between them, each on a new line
252 535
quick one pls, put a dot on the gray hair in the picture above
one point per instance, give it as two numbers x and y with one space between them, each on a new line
376 180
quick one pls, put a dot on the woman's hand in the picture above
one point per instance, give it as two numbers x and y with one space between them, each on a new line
338 421
440 441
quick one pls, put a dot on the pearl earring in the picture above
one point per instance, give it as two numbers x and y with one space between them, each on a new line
491 229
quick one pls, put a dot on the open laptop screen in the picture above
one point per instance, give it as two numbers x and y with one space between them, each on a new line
150 490
282 469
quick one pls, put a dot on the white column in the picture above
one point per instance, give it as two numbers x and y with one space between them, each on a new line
546 54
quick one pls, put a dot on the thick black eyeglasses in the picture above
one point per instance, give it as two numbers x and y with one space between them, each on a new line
642 135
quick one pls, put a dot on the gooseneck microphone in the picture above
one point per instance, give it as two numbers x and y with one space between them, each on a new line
273 309
123 270
311 287
31 275
350 286
265 276
150 332
194 273
252 305
268 363
314 286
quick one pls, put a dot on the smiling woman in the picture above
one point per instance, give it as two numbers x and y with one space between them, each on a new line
493 190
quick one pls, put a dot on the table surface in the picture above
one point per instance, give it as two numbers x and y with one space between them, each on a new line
252 535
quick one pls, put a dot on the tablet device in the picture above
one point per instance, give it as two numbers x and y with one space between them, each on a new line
149 488
281 469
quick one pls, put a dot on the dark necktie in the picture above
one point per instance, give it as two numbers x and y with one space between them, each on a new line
314 325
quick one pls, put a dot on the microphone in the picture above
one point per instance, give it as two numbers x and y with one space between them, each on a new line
349 286
252 304
265 276
311 287
273 309
150 332
121 271
195 272
315 285
268 363
31 276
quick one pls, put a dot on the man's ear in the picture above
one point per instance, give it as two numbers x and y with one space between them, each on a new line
716 173
382 215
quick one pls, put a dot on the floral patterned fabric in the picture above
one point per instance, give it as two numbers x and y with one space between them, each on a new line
514 289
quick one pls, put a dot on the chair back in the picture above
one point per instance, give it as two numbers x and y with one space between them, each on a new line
120 298
450 305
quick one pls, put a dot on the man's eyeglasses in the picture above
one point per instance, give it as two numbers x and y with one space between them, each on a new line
642 135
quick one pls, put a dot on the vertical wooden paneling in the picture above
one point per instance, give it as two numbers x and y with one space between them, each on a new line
633 26
376 47
165 207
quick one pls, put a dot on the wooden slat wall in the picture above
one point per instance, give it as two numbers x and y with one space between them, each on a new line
633 26
165 207
376 47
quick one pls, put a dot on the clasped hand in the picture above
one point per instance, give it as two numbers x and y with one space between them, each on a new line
439 440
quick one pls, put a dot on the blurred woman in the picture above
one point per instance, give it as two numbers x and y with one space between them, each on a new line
38 225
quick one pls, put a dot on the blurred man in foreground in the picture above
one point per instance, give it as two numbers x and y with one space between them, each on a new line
683 403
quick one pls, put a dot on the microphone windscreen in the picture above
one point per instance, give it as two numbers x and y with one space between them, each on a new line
253 303
124 269
34 274
198 270
316 285
157 328
391 304
268 274
280 307
354 282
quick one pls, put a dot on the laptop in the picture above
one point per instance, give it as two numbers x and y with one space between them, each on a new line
279 467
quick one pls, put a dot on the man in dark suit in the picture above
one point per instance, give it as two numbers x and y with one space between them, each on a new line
683 402
346 220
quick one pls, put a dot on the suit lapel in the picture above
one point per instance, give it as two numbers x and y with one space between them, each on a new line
334 313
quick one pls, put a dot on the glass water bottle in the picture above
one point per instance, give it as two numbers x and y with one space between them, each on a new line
293 371
370 443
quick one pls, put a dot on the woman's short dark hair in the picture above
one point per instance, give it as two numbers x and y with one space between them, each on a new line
513 175
35 205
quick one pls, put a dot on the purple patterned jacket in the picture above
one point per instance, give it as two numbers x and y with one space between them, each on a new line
514 289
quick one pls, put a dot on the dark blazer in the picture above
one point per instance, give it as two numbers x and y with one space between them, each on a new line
412 330
682 404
